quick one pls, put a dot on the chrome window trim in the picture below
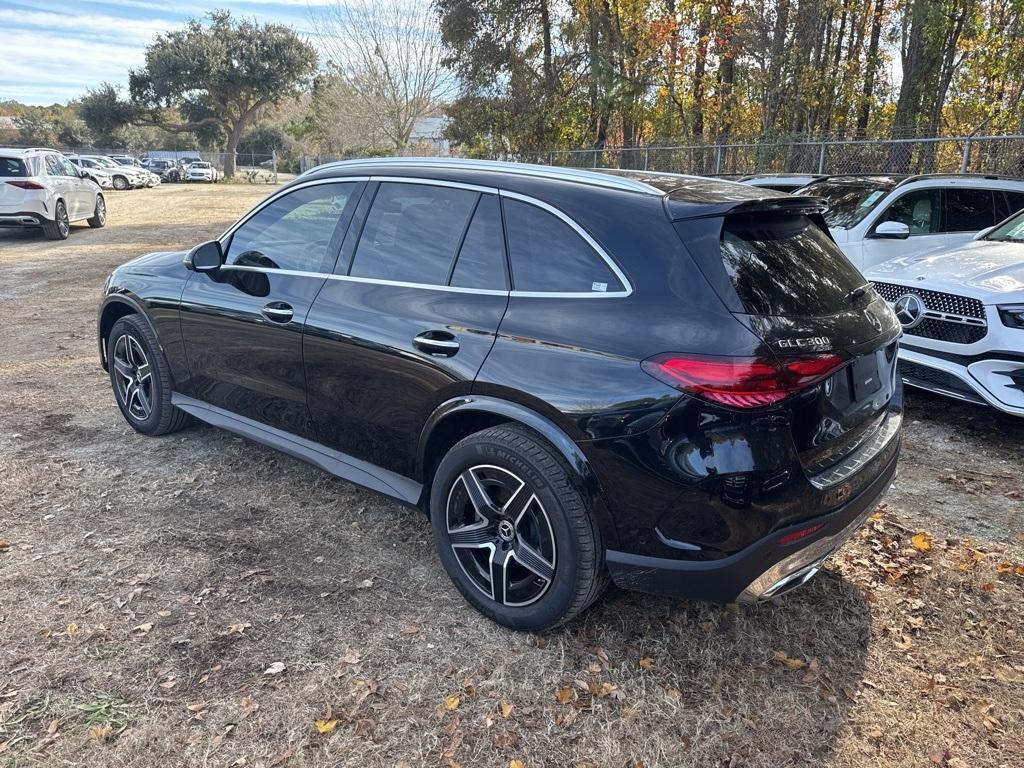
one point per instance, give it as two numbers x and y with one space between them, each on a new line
281 193
627 286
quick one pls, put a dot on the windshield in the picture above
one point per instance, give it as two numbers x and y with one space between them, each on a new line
106 162
1010 231
849 200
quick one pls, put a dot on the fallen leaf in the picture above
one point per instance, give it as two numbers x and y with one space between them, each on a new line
100 732
4 546
922 541
564 695
365 727
199 707
411 629
646 662
790 663
326 726
505 708
72 629
516 764
275 669
673 693
352 657
143 629
238 628
249 706
168 684
452 703
601 690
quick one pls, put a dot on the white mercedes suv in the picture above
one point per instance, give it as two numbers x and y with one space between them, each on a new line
962 312
41 188
875 218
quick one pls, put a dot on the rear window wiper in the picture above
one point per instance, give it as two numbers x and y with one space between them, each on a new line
857 293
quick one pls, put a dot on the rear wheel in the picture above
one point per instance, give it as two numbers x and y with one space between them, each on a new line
513 531
60 227
141 378
99 216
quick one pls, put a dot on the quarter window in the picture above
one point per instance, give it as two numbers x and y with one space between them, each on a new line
481 261
54 167
412 232
293 232
549 256
919 210
968 210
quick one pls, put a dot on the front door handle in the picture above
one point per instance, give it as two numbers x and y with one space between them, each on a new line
278 312
436 343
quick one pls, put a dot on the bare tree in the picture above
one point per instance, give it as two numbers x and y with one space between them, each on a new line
387 55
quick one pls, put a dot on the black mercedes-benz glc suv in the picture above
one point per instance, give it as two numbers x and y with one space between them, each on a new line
676 383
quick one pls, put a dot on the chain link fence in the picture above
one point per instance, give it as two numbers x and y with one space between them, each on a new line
965 154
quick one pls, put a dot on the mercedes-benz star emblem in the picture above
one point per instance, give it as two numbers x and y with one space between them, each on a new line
909 310
506 530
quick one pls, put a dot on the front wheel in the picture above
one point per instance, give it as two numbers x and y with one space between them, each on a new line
513 532
141 378
120 183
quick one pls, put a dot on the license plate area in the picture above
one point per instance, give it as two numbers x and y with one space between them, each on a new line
866 377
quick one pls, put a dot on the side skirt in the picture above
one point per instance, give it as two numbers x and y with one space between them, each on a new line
334 462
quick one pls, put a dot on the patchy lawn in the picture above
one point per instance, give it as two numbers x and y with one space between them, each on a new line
200 600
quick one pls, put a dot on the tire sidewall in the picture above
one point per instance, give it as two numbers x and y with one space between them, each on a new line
552 607
60 215
129 325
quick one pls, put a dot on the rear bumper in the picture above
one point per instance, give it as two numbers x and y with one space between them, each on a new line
760 571
25 219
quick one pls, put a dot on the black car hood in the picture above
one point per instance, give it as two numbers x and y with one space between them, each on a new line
157 262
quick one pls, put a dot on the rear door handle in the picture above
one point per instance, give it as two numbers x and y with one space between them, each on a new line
278 312
436 343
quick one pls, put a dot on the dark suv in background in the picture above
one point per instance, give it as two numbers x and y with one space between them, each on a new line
677 383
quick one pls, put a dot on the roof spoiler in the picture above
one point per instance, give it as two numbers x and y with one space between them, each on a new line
783 204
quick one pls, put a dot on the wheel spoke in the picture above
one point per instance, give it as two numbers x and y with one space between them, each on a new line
129 395
531 559
516 506
478 496
140 394
129 354
499 574
122 367
471 536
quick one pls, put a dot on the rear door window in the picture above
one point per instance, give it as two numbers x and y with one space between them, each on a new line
412 233
786 265
968 210
481 260
549 256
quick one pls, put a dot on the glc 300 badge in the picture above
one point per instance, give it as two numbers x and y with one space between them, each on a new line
804 343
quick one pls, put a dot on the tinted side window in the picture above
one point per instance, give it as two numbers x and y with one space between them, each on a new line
549 256
1015 201
968 210
918 210
11 167
412 232
294 231
481 261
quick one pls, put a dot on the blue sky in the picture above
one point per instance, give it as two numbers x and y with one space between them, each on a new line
51 52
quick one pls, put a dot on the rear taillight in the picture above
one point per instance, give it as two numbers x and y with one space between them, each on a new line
743 382
26 184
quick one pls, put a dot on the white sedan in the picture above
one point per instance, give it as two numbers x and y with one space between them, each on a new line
962 311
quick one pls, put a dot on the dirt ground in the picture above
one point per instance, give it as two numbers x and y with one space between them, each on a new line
198 600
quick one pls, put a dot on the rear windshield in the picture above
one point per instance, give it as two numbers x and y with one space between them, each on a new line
12 167
849 202
786 265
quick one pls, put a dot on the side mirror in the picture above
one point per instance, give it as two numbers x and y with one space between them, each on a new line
205 257
891 230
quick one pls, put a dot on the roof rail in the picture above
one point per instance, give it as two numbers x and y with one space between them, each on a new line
559 173
991 176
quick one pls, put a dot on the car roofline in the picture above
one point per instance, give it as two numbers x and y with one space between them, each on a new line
556 173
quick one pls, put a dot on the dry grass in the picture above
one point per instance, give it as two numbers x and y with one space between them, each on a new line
148 584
